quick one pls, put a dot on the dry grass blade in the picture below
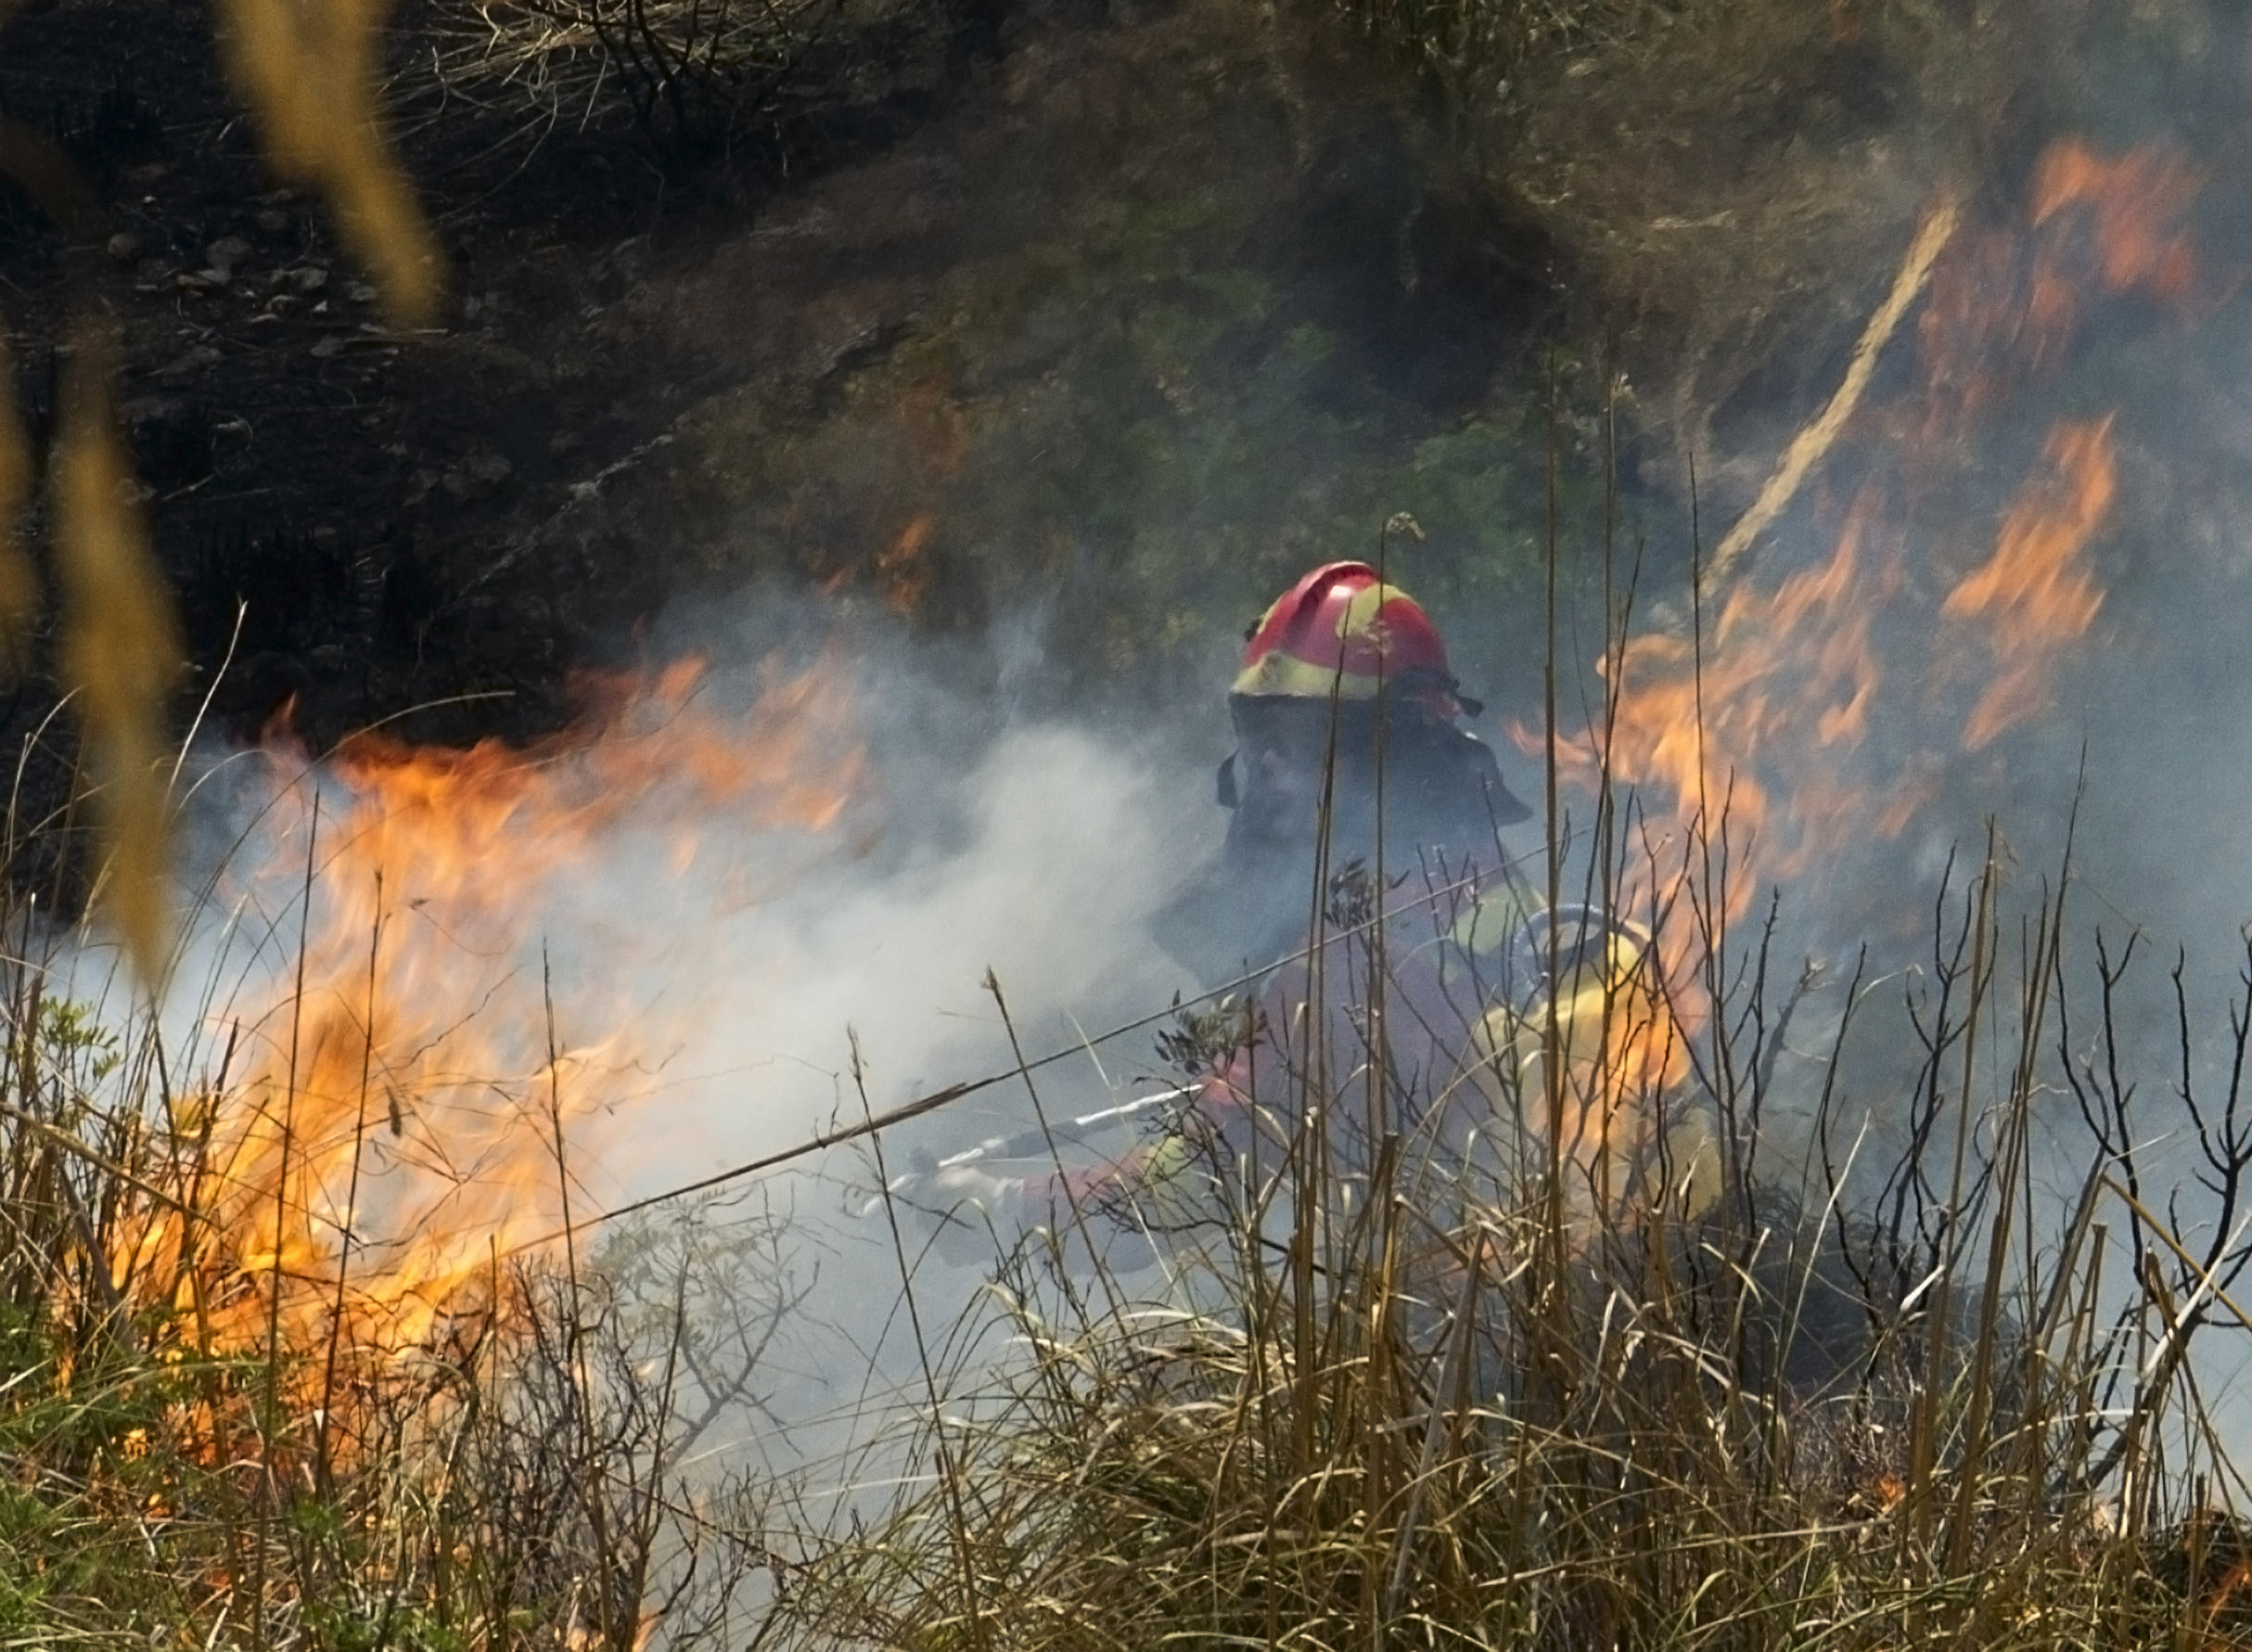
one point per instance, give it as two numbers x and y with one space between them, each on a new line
309 70
1939 221
120 649
691 74
18 583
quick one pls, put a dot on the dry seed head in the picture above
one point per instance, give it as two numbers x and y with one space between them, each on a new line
18 583
120 651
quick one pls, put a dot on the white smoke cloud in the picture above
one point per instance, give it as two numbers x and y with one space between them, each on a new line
712 981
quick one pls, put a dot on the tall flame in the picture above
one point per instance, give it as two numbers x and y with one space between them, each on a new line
405 1105
2035 593
1759 729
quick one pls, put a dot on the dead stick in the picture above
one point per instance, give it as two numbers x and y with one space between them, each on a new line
1808 447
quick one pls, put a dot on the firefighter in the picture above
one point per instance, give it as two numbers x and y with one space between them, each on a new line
1422 992
1347 718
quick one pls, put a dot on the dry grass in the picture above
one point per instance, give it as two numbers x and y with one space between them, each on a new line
1439 1439
694 76
1921 1377
515 1478
1493 38
1728 184
1921 1381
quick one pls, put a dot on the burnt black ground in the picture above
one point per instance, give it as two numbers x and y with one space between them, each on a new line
1137 315
354 488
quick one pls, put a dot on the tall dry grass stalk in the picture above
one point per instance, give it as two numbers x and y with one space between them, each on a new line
120 652
309 69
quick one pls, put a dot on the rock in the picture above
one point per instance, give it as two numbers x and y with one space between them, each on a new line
123 247
226 252
141 410
273 221
190 362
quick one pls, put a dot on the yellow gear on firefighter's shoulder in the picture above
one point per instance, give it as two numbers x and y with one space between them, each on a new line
1175 1186
1584 1051
1585 984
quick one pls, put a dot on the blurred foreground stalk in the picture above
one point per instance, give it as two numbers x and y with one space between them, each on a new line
308 68
120 649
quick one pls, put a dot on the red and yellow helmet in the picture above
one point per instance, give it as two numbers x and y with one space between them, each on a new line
1342 630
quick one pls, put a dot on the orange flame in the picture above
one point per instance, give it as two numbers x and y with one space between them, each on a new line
2034 592
1785 675
400 1110
2137 202
1747 738
900 568
2014 299
1760 732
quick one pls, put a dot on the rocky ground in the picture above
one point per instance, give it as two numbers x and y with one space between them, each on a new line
370 502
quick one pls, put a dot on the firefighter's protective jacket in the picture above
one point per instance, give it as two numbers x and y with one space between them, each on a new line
1464 1038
